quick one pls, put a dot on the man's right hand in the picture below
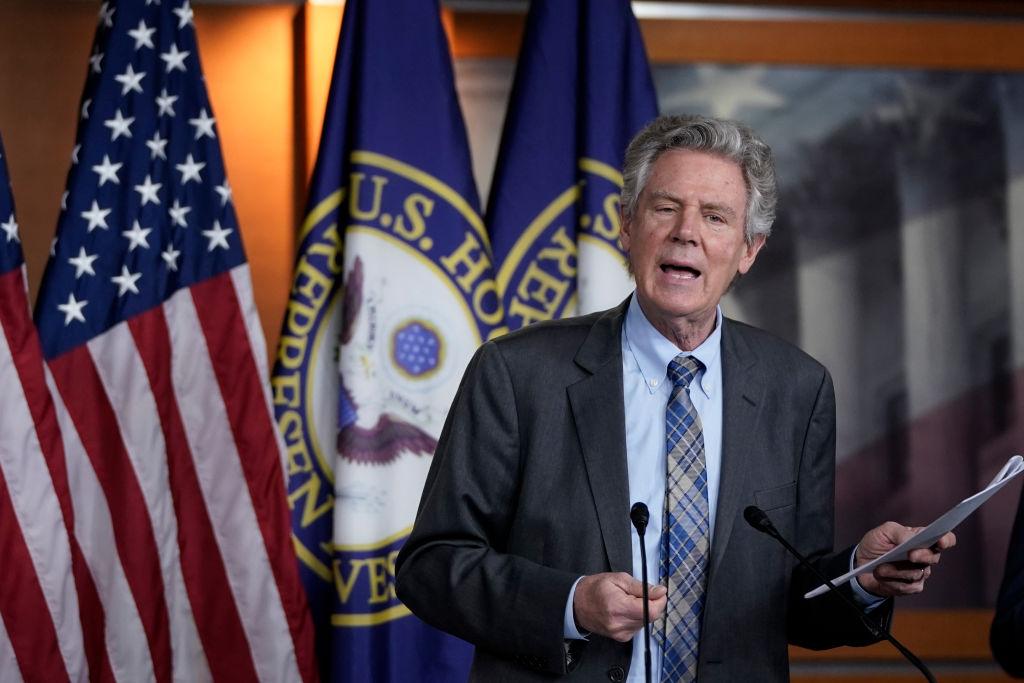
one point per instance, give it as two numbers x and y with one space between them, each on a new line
612 605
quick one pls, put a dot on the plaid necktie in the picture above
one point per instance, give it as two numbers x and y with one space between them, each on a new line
685 538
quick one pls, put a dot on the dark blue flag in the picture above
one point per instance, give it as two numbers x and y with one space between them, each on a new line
582 90
392 293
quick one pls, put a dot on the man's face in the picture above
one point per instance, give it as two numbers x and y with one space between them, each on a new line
686 238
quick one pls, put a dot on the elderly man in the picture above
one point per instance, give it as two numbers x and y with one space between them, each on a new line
523 544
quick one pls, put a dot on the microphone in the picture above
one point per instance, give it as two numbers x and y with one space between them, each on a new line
640 515
758 519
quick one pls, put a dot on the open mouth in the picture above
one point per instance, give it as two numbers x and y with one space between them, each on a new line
681 271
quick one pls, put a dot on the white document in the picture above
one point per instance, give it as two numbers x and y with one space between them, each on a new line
934 531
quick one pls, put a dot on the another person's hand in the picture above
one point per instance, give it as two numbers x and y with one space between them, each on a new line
897 578
612 605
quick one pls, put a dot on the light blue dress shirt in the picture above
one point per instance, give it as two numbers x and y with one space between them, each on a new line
646 389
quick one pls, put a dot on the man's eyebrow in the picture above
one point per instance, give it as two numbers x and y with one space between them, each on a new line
665 194
719 208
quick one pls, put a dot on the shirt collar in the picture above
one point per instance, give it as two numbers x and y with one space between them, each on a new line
653 352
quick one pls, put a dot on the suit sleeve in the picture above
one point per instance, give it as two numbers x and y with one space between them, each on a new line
1007 633
825 621
454 571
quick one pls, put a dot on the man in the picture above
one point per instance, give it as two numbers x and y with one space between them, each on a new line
523 544
1007 636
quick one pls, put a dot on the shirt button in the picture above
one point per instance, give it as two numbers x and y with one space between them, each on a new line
616 674
653 383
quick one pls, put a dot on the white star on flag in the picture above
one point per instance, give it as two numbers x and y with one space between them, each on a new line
174 58
85 108
224 191
95 60
137 236
130 81
184 15
64 200
107 15
218 236
11 228
96 216
119 125
165 103
156 146
190 170
177 213
72 310
170 257
126 281
147 191
74 153
203 124
83 263
143 35
108 171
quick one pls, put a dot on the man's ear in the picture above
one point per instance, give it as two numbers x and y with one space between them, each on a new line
752 248
625 230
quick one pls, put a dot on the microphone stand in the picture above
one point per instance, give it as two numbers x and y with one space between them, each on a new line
640 516
757 518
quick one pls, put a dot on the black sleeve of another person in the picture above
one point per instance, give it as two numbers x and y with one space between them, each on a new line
1007 636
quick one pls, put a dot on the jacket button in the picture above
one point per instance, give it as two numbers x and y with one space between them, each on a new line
616 674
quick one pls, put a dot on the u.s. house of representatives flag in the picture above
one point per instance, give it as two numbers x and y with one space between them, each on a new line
393 291
149 330
582 90
50 620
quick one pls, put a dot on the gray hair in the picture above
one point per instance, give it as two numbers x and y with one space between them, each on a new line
727 139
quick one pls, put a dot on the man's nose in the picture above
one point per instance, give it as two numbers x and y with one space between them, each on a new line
687 227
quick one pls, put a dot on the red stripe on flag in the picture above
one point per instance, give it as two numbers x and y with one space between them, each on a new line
23 342
89 407
241 386
217 618
22 605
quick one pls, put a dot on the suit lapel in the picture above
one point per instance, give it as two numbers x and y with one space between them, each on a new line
743 387
597 407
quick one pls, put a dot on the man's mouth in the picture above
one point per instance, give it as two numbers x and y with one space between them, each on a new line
679 270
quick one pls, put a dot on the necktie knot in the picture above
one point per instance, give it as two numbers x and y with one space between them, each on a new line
682 369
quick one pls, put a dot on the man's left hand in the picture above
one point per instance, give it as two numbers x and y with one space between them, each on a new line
898 578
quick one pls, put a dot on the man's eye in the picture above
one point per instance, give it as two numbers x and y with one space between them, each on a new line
715 218
665 209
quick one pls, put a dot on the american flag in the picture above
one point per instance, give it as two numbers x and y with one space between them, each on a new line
43 635
157 369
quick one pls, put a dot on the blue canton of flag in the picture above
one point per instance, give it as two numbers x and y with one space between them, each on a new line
10 242
160 382
148 206
582 89
393 291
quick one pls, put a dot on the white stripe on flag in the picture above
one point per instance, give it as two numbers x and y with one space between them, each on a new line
39 515
9 670
227 494
125 638
127 386
242 278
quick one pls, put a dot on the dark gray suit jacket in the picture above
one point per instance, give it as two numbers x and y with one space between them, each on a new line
528 491
1007 634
